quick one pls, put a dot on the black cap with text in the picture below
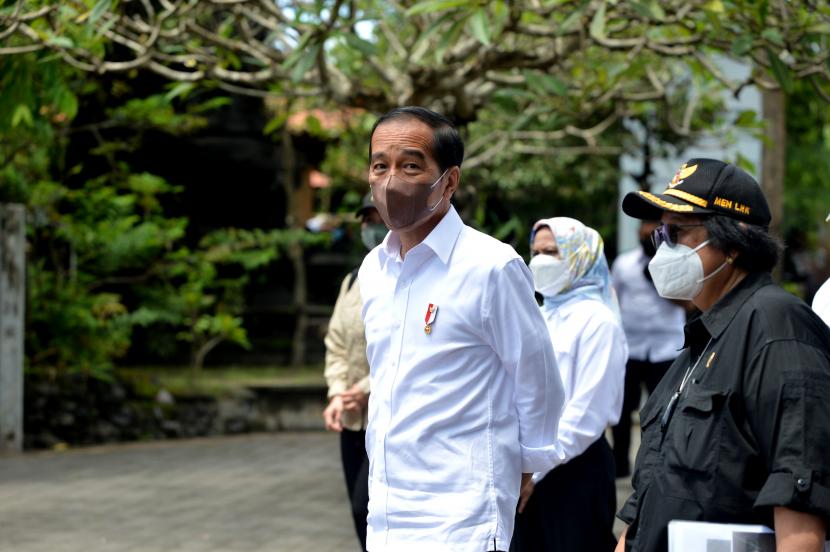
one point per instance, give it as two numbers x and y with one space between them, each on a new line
704 187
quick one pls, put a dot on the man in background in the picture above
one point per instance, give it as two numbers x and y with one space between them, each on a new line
347 376
654 330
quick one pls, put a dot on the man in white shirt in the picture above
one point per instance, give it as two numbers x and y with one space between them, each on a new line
654 331
465 396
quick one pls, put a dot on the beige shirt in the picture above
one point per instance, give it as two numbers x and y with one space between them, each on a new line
346 362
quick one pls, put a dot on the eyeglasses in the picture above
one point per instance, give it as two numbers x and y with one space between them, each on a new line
668 233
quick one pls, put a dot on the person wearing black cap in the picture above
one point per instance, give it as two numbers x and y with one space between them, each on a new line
347 376
738 431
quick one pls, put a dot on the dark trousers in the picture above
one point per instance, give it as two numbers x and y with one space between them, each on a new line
637 372
356 471
572 508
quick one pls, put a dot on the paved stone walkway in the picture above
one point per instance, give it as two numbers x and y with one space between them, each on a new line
259 493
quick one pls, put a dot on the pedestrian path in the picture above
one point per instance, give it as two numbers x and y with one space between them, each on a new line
279 492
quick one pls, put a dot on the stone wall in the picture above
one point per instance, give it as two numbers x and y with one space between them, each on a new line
78 411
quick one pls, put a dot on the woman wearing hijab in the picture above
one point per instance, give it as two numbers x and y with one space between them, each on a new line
572 506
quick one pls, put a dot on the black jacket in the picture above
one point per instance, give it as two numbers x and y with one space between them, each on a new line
751 429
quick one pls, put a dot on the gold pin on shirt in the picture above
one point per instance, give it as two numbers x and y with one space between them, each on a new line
711 359
432 311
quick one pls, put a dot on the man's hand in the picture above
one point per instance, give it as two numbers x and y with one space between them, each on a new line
621 543
525 491
332 414
798 531
355 400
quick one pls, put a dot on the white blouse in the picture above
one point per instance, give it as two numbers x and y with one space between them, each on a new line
591 352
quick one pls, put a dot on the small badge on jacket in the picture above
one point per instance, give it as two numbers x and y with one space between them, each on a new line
432 311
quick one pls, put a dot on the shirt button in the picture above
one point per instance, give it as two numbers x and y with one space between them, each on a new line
801 484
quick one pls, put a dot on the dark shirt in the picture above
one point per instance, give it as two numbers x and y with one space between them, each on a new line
751 429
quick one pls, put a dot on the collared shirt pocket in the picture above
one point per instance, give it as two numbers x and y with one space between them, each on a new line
692 441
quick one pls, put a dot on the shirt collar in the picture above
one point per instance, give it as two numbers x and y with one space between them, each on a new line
443 237
712 323
441 240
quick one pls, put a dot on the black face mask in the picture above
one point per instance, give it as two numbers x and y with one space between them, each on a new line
648 247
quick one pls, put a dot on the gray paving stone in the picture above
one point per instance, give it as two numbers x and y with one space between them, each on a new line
279 492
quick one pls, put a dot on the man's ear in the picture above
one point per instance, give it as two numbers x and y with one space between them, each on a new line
453 179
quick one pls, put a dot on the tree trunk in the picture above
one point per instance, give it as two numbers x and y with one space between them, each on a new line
199 354
774 160
296 251
12 306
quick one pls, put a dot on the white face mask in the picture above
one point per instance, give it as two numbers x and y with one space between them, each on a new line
550 275
677 271
372 235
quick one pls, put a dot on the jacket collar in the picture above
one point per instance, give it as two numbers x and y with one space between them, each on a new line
712 323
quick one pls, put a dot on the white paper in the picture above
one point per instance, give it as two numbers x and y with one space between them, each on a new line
698 536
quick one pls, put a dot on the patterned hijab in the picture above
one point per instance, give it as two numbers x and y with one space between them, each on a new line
581 248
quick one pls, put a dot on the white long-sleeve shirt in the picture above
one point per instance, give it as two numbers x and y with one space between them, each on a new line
456 414
821 302
591 353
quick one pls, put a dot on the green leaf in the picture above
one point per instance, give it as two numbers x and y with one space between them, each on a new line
480 26
574 18
656 10
500 17
275 124
100 8
650 9
745 163
67 104
597 29
545 84
102 29
450 38
313 126
715 6
179 89
305 62
22 114
430 6
742 45
774 36
363 46
298 51
819 28
746 118
60 41
211 104
781 72
426 35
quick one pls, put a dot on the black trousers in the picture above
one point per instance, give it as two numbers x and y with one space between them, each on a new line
637 372
572 509
356 471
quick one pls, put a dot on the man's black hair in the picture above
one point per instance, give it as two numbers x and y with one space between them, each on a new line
757 249
447 146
